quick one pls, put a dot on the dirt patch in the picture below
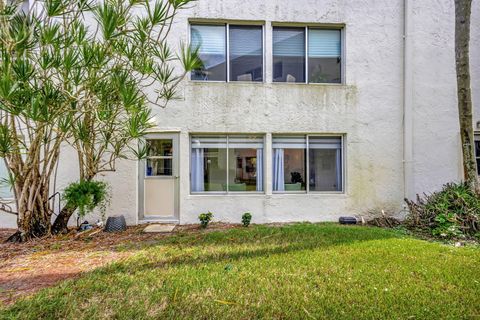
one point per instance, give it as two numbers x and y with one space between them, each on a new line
29 267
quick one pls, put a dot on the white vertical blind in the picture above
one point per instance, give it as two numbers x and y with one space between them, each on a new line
324 43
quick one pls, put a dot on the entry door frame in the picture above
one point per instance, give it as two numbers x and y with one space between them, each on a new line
175 176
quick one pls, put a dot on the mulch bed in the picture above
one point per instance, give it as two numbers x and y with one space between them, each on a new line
28 267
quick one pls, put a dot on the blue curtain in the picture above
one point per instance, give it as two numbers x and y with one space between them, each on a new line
278 170
259 169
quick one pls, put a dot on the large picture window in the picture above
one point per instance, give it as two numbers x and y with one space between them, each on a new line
307 164
244 52
316 60
226 163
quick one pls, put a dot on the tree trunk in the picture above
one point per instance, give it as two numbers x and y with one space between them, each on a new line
462 56
32 222
61 222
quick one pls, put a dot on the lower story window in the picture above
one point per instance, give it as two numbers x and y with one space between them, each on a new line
226 163
307 163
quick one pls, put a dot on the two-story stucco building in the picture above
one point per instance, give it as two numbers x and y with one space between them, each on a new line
304 111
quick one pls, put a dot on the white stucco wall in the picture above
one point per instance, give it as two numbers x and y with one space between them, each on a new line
367 108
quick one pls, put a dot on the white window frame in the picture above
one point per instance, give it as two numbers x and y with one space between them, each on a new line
307 165
227 192
227 47
307 28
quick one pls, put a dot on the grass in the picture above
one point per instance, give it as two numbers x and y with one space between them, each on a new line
301 271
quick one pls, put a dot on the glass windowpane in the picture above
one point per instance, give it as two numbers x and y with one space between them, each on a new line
209 164
159 167
215 169
324 56
211 41
325 164
159 147
289 163
246 53
295 167
288 54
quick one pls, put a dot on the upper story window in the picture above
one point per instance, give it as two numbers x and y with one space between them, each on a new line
307 53
233 52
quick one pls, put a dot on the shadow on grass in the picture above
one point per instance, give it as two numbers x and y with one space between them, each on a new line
229 246
238 244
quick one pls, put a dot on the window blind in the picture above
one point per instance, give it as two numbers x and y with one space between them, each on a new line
289 143
245 41
209 142
288 42
241 142
324 43
245 142
210 39
324 143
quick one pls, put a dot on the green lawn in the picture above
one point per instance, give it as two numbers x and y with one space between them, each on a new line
302 271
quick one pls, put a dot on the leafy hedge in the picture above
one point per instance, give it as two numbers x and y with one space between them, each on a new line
453 212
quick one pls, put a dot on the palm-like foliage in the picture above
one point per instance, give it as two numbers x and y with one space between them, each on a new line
80 72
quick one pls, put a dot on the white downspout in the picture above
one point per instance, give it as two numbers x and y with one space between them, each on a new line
408 174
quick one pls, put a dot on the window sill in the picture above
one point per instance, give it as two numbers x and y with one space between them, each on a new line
310 84
216 194
227 82
257 83
311 193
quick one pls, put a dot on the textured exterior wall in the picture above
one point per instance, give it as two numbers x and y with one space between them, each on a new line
367 108
437 149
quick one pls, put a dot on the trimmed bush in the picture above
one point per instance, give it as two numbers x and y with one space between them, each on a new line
205 219
246 218
453 212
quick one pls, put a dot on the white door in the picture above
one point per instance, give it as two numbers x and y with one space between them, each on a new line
158 178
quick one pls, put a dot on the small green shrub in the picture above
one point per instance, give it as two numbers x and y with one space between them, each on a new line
86 196
205 219
246 218
453 212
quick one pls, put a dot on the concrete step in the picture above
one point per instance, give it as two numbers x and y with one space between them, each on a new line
159 228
